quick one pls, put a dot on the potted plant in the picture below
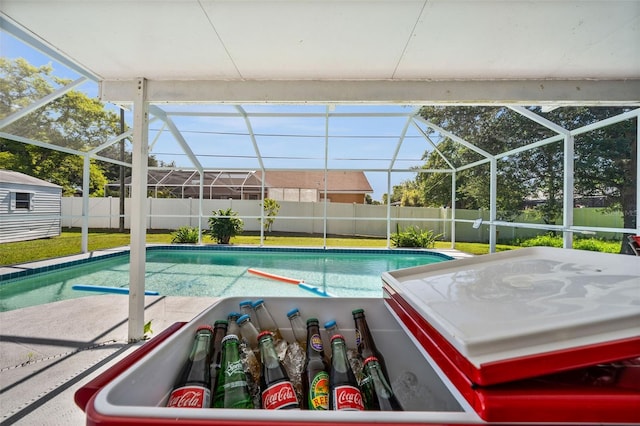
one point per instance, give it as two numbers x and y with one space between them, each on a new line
223 225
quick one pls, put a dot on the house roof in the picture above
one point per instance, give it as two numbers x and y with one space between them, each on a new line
9 176
337 181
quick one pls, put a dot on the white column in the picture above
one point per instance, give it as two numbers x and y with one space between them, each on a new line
138 211
86 180
453 210
567 203
493 204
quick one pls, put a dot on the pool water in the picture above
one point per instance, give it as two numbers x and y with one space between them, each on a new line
222 273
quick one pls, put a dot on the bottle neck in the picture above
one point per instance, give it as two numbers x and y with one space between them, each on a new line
268 354
200 347
339 355
363 335
231 351
315 349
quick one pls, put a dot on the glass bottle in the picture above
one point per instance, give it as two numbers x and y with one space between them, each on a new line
276 389
248 331
219 331
192 389
265 319
331 328
376 390
232 320
344 393
298 327
232 390
246 308
364 340
315 373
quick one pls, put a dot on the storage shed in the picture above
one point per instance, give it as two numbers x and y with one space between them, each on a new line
30 208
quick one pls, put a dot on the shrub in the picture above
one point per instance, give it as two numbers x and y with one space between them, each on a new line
414 236
543 240
184 234
223 225
590 244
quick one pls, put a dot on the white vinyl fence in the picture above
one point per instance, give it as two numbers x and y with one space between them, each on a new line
307 217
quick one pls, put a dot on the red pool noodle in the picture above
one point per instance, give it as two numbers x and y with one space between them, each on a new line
274 276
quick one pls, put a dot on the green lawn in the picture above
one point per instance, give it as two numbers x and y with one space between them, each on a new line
70 243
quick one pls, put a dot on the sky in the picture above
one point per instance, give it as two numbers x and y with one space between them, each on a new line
362 143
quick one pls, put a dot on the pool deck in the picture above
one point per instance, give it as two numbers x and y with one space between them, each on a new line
50 351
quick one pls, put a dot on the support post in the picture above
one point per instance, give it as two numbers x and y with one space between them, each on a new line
86 180
493 205
567 202
453 210
388 209
138 211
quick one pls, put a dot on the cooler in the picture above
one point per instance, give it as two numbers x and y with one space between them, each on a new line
538 334
451 358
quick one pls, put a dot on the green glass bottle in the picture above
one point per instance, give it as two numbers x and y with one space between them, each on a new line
232 390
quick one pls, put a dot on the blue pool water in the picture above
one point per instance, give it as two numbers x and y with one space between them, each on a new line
199 271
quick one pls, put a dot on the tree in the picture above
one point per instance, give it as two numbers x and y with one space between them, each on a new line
73 121
223 225
271 208
605 163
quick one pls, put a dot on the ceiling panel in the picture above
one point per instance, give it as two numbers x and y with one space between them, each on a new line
307 41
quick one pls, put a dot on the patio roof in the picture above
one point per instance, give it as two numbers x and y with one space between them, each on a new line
344 51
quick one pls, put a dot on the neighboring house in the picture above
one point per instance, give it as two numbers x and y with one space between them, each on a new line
306 186
30 208
342 186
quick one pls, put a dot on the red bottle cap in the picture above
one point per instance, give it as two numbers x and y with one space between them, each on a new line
264 333
369 359
337 336
204 327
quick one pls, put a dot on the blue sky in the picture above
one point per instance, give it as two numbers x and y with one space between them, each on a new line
283 141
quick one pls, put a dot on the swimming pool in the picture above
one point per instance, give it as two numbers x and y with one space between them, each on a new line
219 271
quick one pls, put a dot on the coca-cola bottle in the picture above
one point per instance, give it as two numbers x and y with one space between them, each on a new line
344 393
193 387
219 331
376 390
315 376
232 390
364 340
276 389
265 319
298 327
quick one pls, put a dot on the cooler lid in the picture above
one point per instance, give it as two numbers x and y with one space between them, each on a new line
559 308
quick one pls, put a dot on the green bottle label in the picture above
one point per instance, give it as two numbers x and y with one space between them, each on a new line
319 392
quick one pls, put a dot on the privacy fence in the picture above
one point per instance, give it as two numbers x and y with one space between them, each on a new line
308 218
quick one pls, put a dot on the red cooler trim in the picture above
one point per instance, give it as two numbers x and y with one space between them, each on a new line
527 400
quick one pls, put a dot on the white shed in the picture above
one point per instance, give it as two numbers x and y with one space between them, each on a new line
30 208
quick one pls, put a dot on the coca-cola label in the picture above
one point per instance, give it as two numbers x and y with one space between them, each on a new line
190 397
347 398
316 343
319 392
279 395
